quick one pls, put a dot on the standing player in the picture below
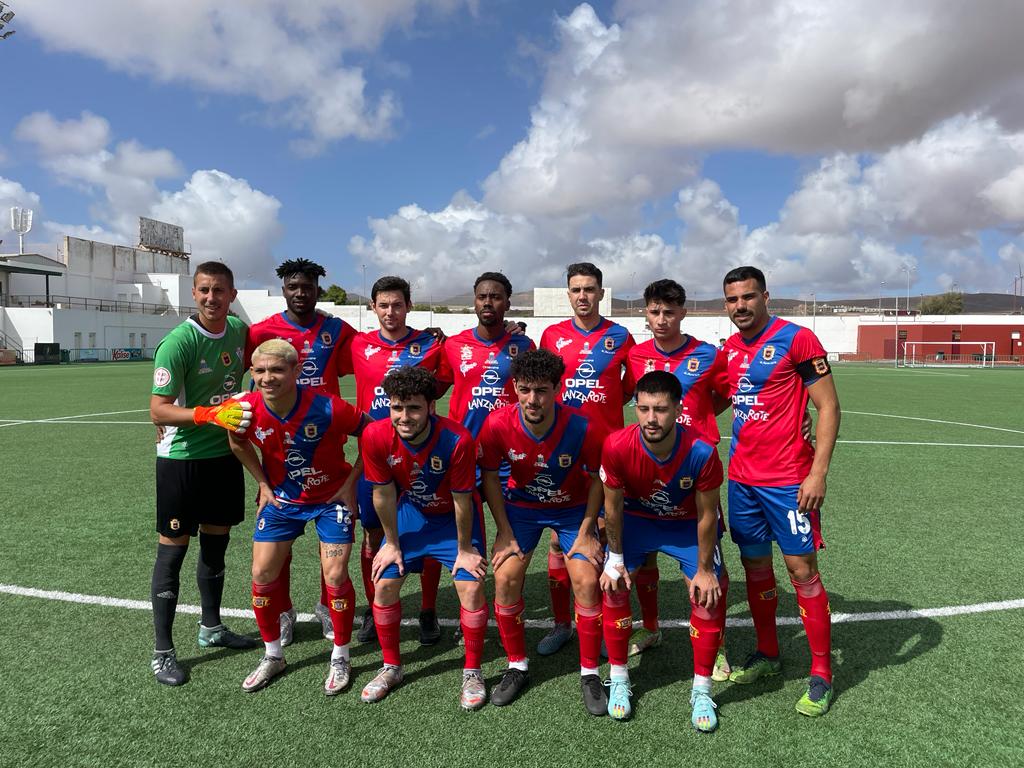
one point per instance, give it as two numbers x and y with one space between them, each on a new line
661 494
322 342
303 477
699 369
199 484
374 355
479 359
423 470
776 477
554 454
595 351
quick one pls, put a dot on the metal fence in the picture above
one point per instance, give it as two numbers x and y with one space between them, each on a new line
101 305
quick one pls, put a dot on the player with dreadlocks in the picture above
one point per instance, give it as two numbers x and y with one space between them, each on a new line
323 343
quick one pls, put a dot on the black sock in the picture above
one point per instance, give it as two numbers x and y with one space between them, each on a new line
210 575
164 592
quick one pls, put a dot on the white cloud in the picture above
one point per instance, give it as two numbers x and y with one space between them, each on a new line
290 56
224 217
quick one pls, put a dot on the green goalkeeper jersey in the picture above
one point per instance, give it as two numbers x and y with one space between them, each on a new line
197 367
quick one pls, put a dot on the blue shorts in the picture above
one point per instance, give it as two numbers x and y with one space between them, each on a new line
435 536
364 500
676 538
528 523
759 515
334 524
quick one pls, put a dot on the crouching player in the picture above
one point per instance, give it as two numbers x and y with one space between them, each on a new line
554 454
423 470
661 495
303 477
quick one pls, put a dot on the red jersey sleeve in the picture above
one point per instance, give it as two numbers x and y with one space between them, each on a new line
718 376
343 352
592 446
375 457
712 474
612 471
463 477
489 443
809 357
345 416
444 368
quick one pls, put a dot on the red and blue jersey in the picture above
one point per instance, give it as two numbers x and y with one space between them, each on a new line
480 370
323 347
426 474
546 472
700 368
663 490
594 362
304 452
374 356
768 377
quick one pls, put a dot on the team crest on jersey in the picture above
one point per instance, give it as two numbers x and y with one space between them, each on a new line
768 352
326 338
513 350
371 351
225 357
414 350
686 483
692 364
436 464
609 344
311 431
565 460
562 343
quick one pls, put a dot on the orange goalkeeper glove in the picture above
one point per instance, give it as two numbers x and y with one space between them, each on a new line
233 415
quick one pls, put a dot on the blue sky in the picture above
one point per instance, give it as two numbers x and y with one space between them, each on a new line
439 138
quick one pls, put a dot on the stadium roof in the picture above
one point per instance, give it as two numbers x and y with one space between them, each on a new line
31 264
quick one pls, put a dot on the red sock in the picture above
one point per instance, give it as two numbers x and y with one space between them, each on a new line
647 594
366 568
817 617
706 629
325 594
763 598
284 580
341 603
588 628
618 625
428 583
266 605
387 619
560 587
474 627
511 630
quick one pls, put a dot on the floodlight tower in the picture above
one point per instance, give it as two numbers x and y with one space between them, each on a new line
21 222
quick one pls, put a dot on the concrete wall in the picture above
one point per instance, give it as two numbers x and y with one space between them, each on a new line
552 302
26 326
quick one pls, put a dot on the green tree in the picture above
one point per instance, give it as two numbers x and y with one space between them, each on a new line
948 303
334 293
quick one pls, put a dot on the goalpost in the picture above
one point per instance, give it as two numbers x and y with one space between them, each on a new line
948 354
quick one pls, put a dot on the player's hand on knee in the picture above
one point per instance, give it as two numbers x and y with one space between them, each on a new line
588 545
505 546
386 556
233 415
705 590
471 561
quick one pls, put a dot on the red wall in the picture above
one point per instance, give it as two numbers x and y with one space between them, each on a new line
879 341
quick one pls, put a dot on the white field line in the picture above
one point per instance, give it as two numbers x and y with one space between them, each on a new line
246 613
935 421
64 419
12 423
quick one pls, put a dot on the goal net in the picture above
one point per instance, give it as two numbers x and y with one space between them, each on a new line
948 354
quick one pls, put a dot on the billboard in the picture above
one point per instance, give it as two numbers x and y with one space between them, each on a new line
161 236
126 353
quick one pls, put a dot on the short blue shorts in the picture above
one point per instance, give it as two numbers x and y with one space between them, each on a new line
759 515
334 524
528 523
676 538
435 536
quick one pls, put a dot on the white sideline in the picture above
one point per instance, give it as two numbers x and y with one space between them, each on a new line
246 613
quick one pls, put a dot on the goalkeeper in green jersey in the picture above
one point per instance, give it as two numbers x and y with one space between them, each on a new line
200 489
